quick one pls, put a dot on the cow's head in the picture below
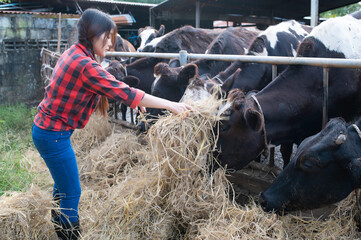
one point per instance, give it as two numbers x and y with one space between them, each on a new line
116 69
241 137
325 169
147 34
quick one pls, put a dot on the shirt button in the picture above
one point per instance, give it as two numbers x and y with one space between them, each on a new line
56 140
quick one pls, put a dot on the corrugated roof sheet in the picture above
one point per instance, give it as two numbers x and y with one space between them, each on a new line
121 2
39 13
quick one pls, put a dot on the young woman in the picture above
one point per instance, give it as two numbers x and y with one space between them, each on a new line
77 84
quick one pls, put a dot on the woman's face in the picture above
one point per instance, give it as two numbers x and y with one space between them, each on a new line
98 44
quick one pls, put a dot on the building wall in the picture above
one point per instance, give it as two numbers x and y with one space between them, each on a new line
21 38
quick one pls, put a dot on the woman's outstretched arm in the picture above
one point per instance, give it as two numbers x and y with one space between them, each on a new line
156 102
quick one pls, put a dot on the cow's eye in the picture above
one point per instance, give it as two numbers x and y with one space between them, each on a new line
224 127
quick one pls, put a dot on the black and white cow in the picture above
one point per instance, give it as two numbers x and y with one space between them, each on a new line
289 109
147 34
278 40
325 169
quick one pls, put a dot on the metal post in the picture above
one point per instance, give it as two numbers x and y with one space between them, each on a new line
314 13
272 149
183 57
151 18
198 14
325 97
59 33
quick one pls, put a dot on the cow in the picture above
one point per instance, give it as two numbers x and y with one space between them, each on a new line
325 170
289 109
147 34
171 83
114 68
195 40
121 45
279 40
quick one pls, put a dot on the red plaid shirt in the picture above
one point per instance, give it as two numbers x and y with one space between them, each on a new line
74 89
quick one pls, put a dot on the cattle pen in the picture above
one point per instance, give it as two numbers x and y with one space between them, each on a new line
325 63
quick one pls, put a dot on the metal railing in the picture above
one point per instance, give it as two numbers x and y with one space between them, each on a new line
325 63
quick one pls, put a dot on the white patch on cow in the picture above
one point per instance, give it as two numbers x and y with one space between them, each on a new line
206 52
157 77
144 36
294 52
245 51
263 53
224 108
152 43
271 32
341 34
195 94
104 64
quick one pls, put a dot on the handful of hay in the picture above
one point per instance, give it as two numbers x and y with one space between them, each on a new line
161 190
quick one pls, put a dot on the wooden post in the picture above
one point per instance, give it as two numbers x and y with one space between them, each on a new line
59 33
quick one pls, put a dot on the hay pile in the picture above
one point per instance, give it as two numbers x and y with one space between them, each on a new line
160 190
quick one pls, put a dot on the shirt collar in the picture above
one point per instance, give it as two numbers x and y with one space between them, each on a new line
85 50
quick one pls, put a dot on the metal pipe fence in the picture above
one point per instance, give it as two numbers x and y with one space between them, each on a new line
325 63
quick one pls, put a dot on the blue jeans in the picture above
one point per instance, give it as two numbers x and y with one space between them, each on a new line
56 150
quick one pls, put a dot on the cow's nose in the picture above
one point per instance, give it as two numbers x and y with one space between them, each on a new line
143 127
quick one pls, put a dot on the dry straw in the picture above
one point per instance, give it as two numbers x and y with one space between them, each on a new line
163 189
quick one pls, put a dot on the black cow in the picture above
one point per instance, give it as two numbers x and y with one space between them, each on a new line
289 109
114 68
171 83
187 38
325 169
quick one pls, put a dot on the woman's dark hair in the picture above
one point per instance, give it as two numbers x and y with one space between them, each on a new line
92 24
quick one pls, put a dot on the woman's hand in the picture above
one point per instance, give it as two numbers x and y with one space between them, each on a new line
176 107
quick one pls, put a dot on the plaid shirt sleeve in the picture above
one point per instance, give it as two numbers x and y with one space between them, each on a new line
99 81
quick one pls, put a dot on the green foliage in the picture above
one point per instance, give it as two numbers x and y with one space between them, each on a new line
15 139
342 11
5 1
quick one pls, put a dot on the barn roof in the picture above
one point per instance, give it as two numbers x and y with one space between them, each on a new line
127 13
256 10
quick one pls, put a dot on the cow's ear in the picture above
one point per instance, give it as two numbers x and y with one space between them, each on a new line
258 45
161 31
228 83
174 63
140 30
161 69
131 81
189 72
305 49
253 119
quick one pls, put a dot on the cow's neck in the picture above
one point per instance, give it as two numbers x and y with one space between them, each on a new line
285 111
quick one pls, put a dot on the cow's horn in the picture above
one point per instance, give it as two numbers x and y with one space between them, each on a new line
341 139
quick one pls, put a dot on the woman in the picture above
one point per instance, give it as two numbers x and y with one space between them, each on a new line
76 85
